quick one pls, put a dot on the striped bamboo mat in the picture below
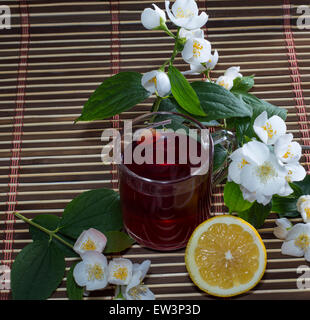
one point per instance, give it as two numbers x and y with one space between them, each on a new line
58 51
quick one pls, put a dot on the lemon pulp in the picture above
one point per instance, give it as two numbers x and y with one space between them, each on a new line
225 256
226 263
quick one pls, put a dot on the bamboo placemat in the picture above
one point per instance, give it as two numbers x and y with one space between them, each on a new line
58 51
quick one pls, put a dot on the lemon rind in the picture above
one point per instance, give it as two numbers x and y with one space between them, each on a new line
194 271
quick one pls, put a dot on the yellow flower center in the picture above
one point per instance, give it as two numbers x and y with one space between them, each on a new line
269 129
197 47
184 14
307 210
302 241
288 153
224 84
95 272
266 171
121 273
154 80
243 163
88 245
288 178
137 291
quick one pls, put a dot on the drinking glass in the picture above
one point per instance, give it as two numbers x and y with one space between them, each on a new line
165 198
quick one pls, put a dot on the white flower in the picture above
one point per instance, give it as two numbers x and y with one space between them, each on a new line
298 241
301 200
136 290
286 190
283 226
227 80
269 130
189 34
238 162
295 172
156 81
263 172
199 68
90 239
286 150
305 210
233 72
120 271
92 271
143 268
185 14
255 196
258 172
151 18
212 62
196 51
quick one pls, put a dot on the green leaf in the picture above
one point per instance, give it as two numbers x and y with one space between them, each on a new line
304 185
285 205
256 215
219 157
117 241
74 291
298 191
233 198
219 103
243 84
289 214
37 271
51 222
171 105
99 209
260 106
243 128
184 93
115 95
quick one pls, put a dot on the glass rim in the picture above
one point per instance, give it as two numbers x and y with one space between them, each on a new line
122 166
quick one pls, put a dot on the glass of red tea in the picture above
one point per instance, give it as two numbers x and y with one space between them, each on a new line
165 179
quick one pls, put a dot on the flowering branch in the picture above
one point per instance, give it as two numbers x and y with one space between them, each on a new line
259 126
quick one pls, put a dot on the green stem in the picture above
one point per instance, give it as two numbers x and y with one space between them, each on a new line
176 47
49 232
164 27
225 123
156 104
162 68
207 73
170 33
174 54
155 107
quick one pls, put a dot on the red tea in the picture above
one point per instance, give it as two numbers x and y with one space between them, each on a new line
162 203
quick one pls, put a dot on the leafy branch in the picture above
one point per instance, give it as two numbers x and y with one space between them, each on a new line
39 268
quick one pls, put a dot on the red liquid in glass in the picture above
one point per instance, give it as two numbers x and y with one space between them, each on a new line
162 216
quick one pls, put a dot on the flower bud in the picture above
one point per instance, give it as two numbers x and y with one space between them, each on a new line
156 81
152 18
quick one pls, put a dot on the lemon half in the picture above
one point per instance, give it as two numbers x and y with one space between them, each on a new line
225 256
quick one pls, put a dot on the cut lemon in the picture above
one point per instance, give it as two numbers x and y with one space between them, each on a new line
225 256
